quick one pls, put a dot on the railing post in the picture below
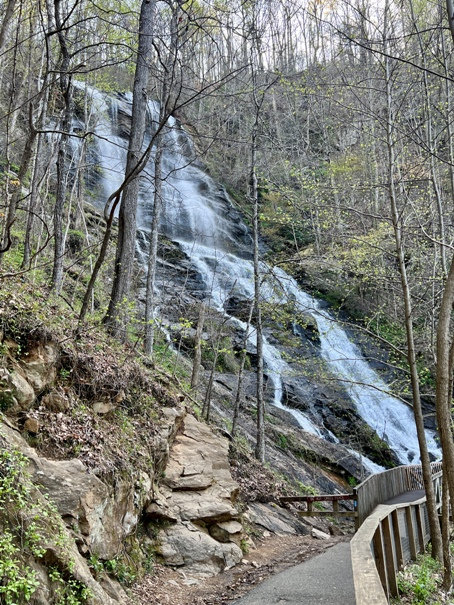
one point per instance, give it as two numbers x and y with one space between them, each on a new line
391 566
355 508
379 553
420 525
397 539
411 532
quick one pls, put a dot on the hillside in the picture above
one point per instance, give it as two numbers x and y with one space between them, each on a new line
226 276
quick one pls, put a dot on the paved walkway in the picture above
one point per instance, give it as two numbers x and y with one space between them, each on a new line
416 494
326 580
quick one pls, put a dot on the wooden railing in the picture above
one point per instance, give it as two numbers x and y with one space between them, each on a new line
392 534
381 487
334 499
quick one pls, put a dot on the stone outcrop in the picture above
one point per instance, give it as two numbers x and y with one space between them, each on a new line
101 515
196 500
22 381
275 519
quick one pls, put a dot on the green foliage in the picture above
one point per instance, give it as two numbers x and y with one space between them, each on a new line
305 490
29 525
419 582
68 591
244 545
18 582
282 441
6 398
122 570
226 360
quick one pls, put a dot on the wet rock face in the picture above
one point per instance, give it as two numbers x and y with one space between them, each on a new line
196 500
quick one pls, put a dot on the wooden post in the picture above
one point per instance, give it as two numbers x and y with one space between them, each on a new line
355 508
411 532
420 525
397 539
390 562
380 558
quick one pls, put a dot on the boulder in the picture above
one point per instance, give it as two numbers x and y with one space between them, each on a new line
31 425
227 531
197 495
17 392
198 552
39 365
198 485
103 407
318 534
275 519
103 516
55 401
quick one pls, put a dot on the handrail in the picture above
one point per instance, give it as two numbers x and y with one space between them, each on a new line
390 536
381 487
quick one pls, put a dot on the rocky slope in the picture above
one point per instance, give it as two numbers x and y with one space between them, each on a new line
108 469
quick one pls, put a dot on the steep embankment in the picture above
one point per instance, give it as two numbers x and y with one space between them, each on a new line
105 469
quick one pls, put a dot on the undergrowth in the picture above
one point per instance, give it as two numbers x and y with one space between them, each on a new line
31 528
419 583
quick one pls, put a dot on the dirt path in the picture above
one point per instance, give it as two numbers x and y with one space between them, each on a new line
272 555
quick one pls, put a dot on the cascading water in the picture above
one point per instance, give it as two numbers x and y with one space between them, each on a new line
200 219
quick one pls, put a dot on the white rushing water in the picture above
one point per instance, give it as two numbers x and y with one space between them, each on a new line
199 217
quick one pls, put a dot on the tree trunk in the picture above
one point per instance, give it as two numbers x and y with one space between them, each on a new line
434 525
153 254
239 384
36 178
27 155
443 393
60 197
197 351
260 443
8 15
168 79
116 315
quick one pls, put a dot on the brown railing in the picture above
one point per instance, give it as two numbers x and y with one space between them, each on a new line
391 534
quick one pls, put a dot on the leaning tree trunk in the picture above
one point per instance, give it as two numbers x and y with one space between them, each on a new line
116 314
27 155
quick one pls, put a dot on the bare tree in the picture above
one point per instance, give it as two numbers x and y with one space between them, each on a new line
116 313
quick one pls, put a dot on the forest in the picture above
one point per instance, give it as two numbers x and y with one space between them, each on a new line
321 134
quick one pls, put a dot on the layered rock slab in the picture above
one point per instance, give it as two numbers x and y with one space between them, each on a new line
197 498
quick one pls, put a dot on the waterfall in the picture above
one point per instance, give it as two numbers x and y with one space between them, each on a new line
199 217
